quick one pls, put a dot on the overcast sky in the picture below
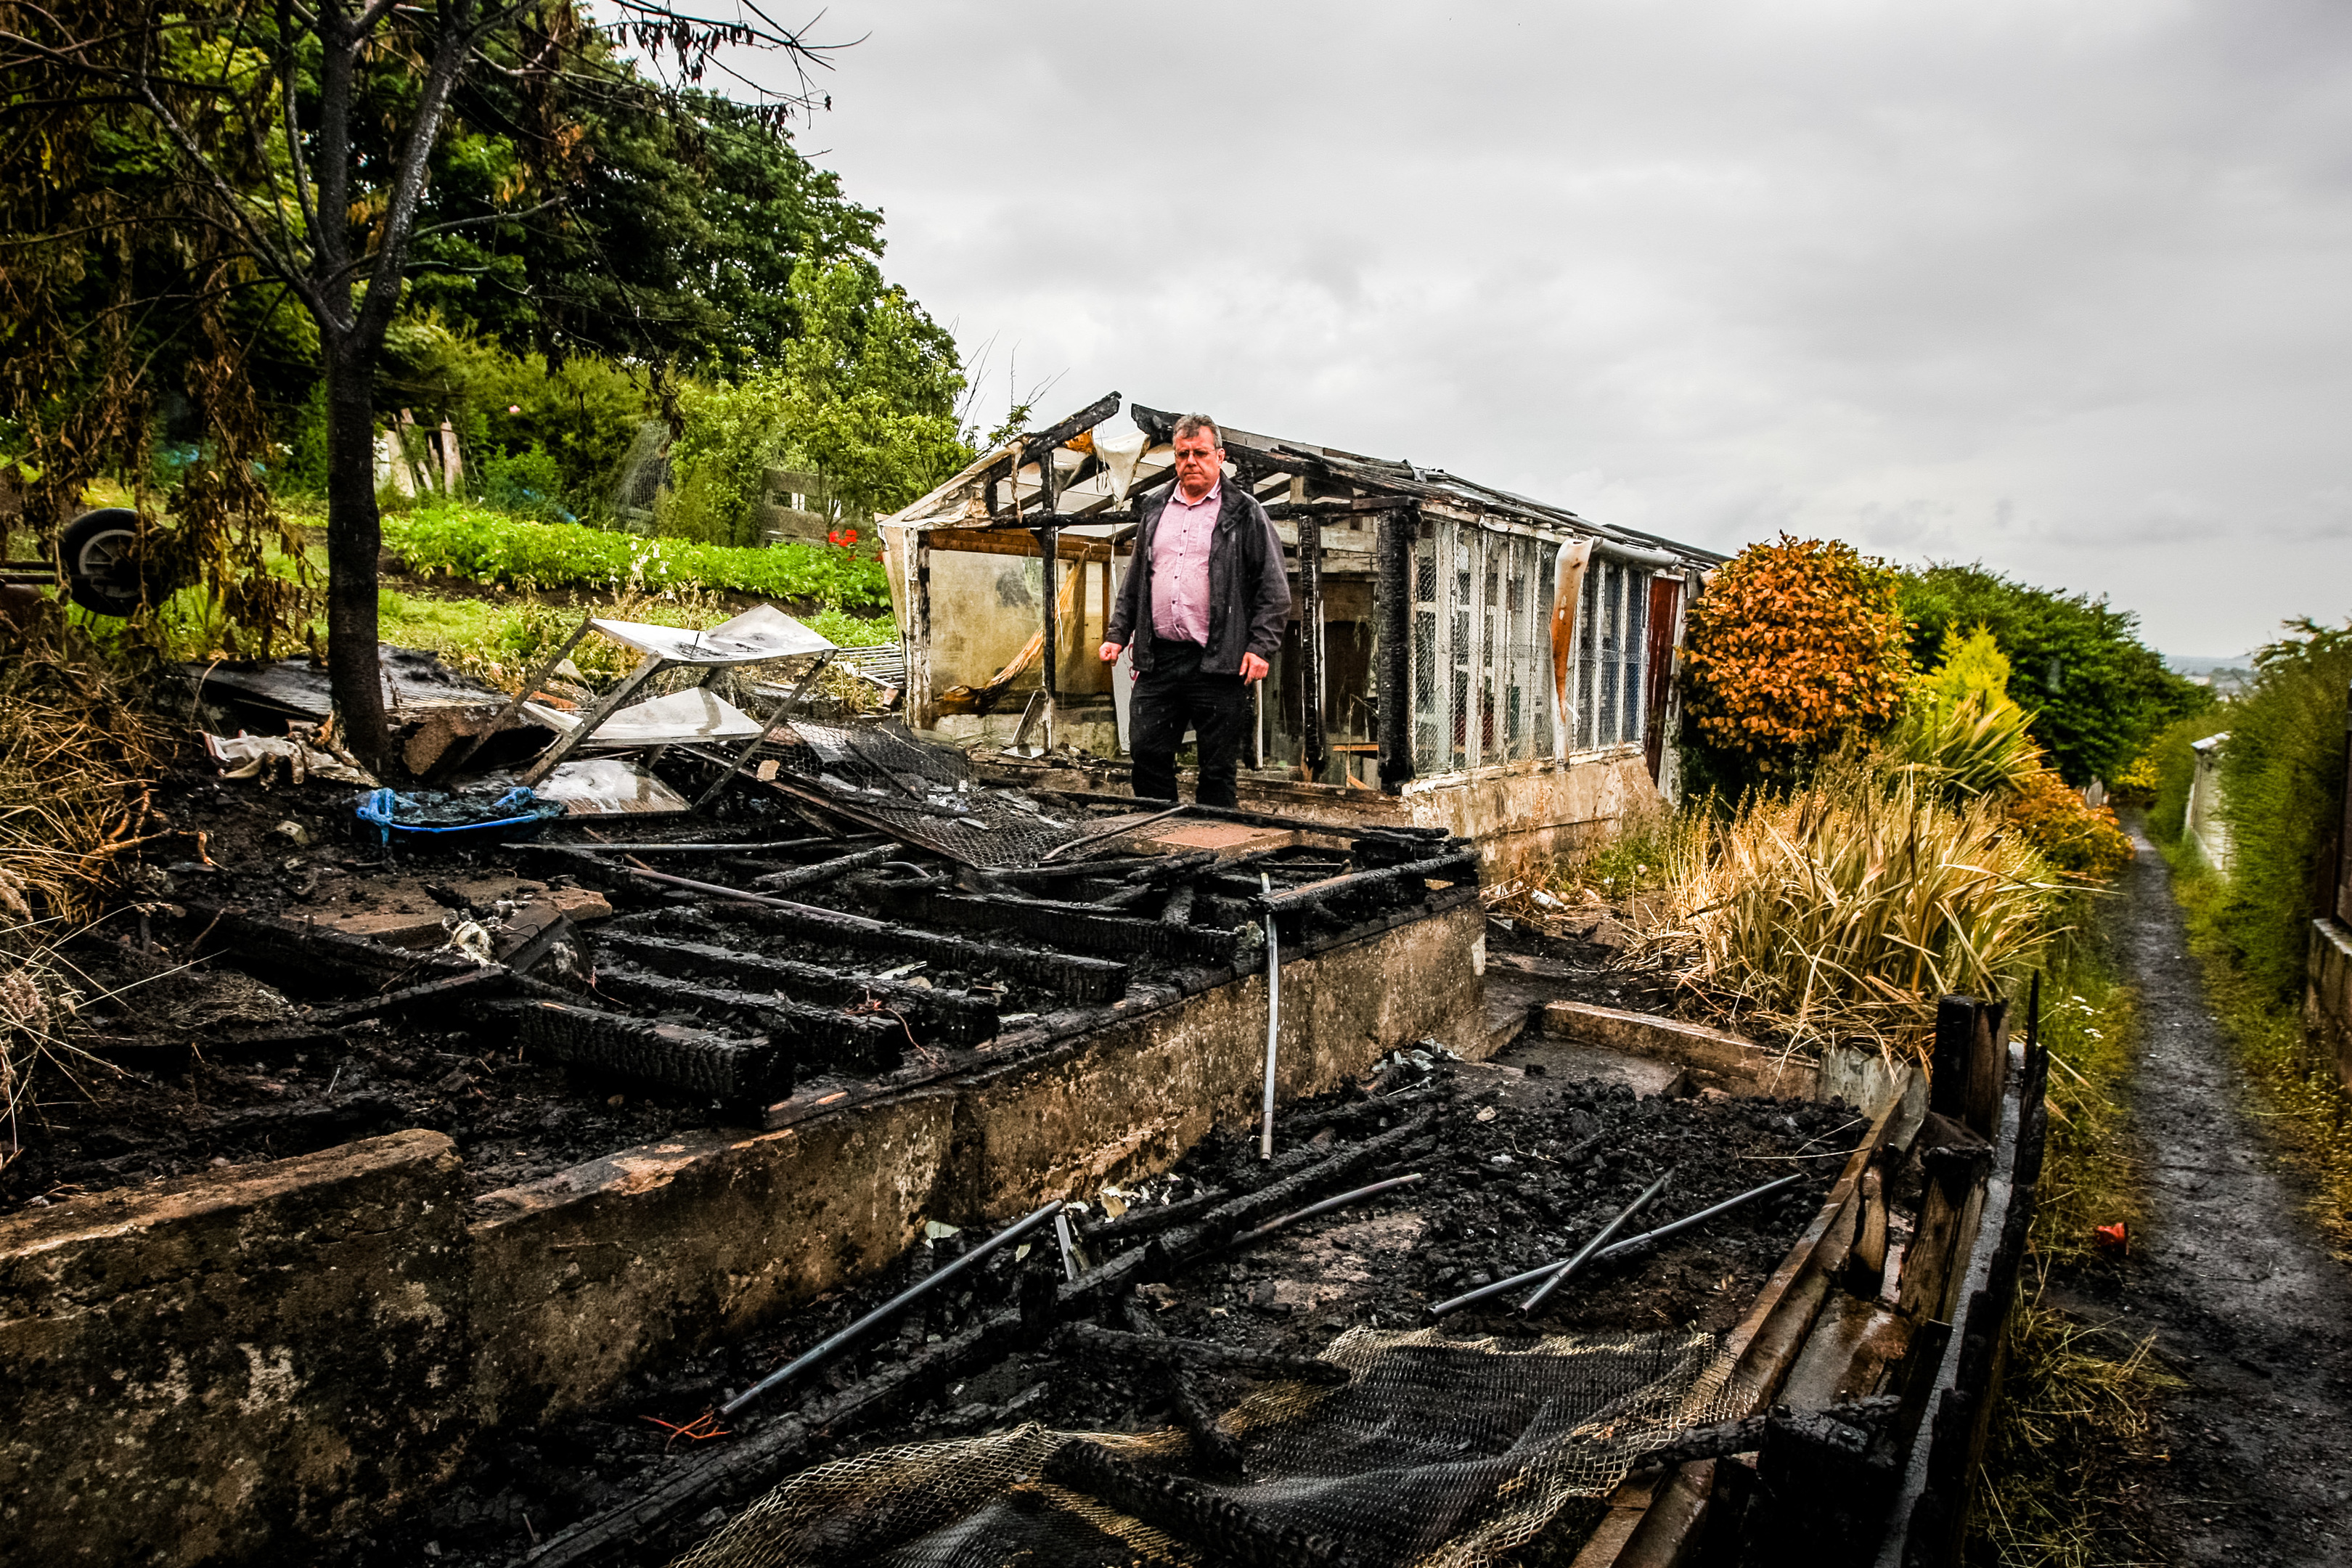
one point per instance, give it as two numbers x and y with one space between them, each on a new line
2065 288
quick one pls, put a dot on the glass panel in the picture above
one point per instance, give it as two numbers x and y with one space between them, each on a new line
1458 610
1494 647
1428 713
1612 651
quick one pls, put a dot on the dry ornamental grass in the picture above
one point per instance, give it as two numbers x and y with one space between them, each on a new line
1842 911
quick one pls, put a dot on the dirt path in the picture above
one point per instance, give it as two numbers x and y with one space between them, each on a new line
2244 1302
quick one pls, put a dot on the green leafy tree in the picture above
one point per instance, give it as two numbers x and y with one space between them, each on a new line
300 143
2097 693
1961 731
672 237
1793 648
2281 795
865 397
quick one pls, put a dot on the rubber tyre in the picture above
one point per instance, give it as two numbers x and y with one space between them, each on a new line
101 568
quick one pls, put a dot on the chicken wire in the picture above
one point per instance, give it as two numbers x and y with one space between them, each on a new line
918 794
1436 1453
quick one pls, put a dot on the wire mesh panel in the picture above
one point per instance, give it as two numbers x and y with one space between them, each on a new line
1588 661
1459 546
880 774
1612 651
1428 690
1637 647
1492 550
1540 610
1436 1452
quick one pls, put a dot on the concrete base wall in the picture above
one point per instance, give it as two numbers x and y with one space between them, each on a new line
205 1370
663 1250
1716 1058
2327 994
192 1371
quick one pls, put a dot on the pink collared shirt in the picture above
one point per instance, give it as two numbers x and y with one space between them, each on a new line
1179 566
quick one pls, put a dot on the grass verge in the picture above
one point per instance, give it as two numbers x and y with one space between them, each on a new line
2073 1424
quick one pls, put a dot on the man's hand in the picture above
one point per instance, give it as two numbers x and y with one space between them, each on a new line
1110 651
1252 669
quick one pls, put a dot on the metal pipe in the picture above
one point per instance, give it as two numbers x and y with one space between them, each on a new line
1597 1243
1618 1250
530 685
1070 1243
1647 1237
1058 850
1326 1206
1273 1029
784 704
1450 866
825 1348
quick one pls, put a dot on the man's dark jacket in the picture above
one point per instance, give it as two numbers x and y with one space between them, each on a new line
1249 592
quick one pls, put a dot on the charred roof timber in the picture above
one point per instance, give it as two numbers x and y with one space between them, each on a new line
1441 627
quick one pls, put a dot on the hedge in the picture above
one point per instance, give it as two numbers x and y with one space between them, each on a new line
490 547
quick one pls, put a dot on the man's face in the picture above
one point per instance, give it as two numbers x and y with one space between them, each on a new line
1198 461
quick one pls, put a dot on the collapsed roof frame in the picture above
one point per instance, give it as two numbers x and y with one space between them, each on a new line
1529 585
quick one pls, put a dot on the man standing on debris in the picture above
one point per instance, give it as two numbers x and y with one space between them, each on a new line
1205 601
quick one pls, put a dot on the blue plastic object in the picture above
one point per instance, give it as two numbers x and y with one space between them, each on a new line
439 815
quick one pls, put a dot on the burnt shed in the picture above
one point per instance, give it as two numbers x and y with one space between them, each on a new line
1458 656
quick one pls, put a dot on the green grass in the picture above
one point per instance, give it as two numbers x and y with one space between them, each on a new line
489 547
2074 1426
499 640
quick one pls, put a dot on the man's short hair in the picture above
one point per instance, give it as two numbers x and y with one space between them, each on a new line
1194 423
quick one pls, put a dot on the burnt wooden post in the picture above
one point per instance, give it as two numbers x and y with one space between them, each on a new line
1049 545
1987 1067
1947 1068
919 650
1393 614
1310 644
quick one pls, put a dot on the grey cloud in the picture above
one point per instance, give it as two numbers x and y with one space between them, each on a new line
2061 287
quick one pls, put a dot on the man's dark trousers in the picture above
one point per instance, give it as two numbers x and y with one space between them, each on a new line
1175 695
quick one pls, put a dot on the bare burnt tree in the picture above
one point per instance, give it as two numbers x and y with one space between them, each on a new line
304 132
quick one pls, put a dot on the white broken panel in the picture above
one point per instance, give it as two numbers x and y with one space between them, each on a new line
681 718
761 632
608 786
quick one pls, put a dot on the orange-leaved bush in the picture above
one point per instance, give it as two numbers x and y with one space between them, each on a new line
1794 646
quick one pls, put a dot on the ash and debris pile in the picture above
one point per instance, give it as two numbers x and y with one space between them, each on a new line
1210 1366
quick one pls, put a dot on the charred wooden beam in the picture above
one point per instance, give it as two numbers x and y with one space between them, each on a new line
827 870
953 1016
1082 926
1310 644
1078 978
1219 1224
1406 881
313 957
1049 669
1037 447
863 1042
698 1061
1392 602
1213 1447
1332 506
473 985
